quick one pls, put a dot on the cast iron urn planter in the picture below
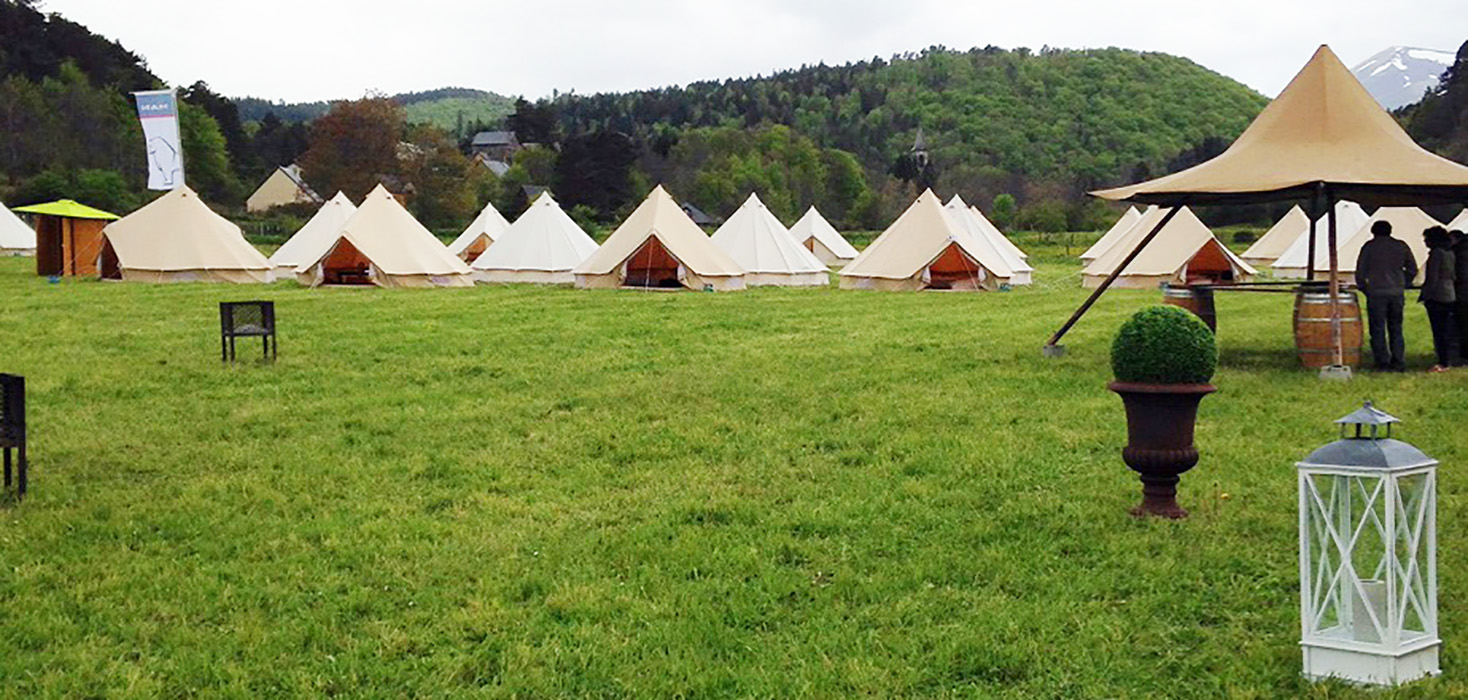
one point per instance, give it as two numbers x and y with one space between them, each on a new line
1159 425
1163 359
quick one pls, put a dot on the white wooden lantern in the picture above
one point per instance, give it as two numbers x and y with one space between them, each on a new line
1368 556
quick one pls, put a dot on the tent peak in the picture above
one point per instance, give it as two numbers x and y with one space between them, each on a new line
1324 129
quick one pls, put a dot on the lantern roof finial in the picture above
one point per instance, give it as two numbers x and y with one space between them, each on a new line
1368 415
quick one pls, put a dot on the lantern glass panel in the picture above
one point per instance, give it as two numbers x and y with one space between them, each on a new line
1411 545
1350 557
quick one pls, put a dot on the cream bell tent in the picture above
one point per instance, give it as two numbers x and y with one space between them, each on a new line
1184 252
1293 262
481 233
543 246
925 249
818 236
177 238
990 239
658 246
383 244
15 237
760 244
1114 234
315 235
1278 238
284 186
995 233
1408 223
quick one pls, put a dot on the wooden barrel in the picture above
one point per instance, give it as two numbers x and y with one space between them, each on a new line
1198 300
1312 328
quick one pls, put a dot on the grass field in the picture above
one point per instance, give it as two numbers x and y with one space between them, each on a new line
523 492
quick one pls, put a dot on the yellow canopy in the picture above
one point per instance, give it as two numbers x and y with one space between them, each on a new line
1323 129
67 209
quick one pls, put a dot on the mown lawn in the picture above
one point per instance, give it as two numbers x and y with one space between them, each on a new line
524 492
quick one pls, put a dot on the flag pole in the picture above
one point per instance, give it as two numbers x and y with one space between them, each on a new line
183 178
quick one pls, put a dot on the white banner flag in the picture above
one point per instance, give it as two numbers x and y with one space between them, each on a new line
158 110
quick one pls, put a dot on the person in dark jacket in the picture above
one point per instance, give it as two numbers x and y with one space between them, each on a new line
1439 296
1460 253
1384 269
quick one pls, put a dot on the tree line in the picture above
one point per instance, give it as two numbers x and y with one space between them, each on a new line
1024 134
1042 127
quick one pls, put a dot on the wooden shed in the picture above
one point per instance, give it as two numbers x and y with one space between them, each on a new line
68 237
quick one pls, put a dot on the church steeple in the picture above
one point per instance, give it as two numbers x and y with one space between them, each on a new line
920 149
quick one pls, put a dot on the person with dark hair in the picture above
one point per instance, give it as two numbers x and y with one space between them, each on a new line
1384 269
1439 296
1460 309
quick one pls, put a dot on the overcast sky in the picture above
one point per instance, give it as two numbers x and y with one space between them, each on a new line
301 50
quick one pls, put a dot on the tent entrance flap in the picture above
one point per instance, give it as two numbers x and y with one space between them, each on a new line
953 269
1210 266
107 265
475 248
652 266
346 265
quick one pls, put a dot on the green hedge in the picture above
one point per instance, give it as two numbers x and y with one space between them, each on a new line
1164 345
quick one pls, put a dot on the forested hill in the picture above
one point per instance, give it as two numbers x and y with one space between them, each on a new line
1048 123
36 46
1039 127
455 109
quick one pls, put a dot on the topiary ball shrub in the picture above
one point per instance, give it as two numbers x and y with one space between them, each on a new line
1164 345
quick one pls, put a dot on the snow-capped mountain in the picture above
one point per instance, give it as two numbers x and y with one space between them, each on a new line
1401 75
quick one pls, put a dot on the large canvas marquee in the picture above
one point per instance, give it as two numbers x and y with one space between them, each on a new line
318 233
16 238
925 249
480 234
760 244
1324 129
658 246
177 238
543 246
382 244
821 238
1184 252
